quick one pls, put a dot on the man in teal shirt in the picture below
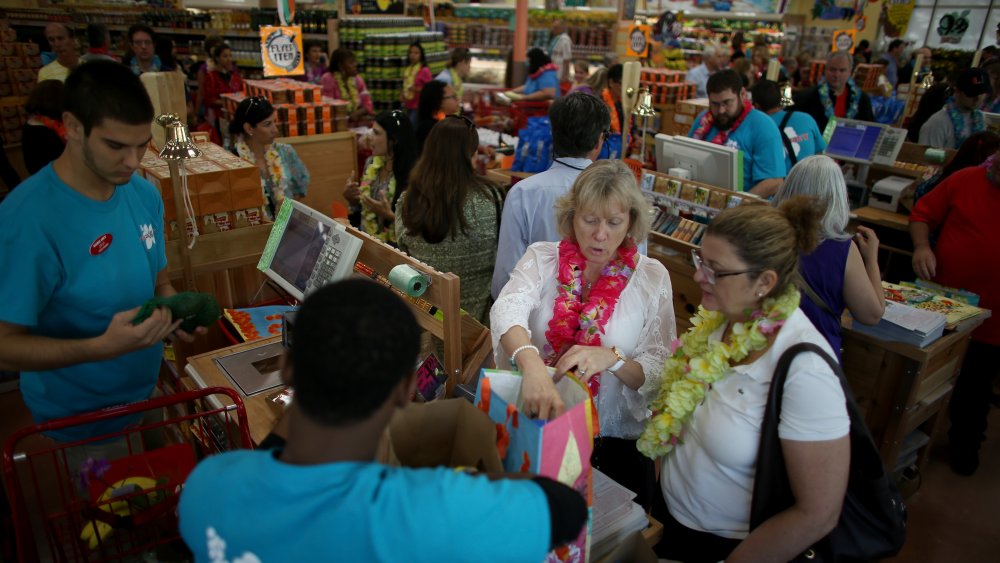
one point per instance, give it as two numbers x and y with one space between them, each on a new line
798 130
732 121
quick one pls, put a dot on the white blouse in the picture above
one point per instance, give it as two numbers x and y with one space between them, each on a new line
642 327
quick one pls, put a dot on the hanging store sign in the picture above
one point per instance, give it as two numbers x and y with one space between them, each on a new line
281 50
897 17
638 41
843 40
952 26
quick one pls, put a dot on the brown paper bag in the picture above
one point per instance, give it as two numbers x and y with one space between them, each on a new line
448 432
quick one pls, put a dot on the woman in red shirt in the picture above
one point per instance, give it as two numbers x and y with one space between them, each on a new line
224 78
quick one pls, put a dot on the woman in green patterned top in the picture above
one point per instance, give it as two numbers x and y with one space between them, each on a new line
449 216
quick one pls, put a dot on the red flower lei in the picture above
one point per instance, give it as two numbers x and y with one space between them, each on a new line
708 121
576 322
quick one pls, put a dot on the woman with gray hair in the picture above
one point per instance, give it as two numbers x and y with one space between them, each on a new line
591 306
837 274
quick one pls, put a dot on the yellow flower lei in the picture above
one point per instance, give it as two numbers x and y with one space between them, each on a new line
696 363
275 170
348 90
370 222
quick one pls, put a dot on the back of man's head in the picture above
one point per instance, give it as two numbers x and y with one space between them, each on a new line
726 79
102 90
615 73
354 342
578 121
97 35
766 95
895 44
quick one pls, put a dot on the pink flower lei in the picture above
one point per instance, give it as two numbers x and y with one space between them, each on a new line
576 322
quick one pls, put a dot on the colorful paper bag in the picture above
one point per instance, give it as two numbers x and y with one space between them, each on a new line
558 449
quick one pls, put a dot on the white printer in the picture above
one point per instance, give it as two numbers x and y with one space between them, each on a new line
885 193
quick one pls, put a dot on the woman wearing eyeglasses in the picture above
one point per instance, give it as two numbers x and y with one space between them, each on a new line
449 216
252 133
707 413
593 306
224 78
386 175
343 82
437 100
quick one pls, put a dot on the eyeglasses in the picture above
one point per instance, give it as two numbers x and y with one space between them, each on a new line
711 275
468 122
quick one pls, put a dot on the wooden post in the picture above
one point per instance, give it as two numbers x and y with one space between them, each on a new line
182 218
975 58
918 63
520 55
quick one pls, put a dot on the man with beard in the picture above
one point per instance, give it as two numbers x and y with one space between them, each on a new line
82 244
732 121
839 96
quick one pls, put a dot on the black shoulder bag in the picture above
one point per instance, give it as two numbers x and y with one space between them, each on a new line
784 138
872 522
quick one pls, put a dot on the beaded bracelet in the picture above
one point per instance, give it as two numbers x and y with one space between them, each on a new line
519 349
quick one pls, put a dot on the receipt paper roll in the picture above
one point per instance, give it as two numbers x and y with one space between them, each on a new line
410 281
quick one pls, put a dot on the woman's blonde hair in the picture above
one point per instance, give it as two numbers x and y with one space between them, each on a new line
603 183
768 238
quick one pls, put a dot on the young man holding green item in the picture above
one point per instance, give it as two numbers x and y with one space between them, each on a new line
81 245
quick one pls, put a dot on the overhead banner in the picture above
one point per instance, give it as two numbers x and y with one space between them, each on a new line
281 50
897 17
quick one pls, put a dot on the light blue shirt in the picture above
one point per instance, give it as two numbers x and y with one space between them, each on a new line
759 141
804 134
891 69
699 76
249 506
529 215
548 79
70 264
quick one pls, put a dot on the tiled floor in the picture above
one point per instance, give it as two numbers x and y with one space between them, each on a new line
952 518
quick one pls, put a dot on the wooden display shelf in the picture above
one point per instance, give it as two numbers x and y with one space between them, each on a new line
219 251
330 159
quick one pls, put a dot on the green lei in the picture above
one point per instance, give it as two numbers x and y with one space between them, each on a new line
958 122
370 222
348 90
828 105
697 362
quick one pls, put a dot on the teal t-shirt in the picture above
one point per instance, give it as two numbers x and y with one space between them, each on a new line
804 134
758 139
250 506
72 263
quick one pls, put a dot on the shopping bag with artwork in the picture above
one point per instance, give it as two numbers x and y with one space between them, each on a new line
558 449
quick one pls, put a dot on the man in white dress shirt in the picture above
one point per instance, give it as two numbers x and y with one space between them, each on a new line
579 124
711 62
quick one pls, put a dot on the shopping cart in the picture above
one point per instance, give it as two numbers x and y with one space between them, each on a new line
70 503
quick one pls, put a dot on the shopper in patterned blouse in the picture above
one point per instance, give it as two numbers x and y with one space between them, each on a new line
343 82
253 132
373 200
449 217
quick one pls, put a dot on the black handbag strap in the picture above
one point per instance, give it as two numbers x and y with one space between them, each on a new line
771 491
785 139
815 298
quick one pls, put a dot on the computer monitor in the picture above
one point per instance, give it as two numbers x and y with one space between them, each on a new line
864 142
992 121
307 250
715 165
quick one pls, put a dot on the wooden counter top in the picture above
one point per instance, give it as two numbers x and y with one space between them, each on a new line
883 218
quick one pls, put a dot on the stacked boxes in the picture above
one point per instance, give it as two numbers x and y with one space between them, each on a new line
817 70
300 109
225 190
19 64
866 75
686 112
667 86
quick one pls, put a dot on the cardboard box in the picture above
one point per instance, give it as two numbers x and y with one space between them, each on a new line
207 177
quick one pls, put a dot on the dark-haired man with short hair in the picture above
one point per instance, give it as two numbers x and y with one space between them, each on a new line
82 244
800 135
323 497
580 123
142 41
731 121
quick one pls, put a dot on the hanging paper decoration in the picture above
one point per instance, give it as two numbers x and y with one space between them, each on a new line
896 16
281 50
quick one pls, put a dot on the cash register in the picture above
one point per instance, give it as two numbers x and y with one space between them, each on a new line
865 143
305 251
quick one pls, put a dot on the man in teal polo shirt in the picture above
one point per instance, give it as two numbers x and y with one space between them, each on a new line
799 133
732 121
